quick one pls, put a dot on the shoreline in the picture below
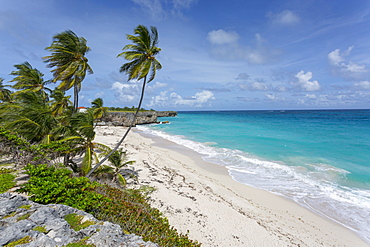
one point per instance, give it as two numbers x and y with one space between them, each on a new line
218 211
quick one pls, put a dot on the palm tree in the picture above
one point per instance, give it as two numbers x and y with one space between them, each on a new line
99 109
59 103
29 79
143 63
30 115
118 161
5 94
81 138
69 62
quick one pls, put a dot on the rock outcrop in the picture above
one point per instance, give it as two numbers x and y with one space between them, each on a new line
125 118
34 225
166 113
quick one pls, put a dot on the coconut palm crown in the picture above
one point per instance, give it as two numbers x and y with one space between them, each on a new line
68 61
141 54
29 79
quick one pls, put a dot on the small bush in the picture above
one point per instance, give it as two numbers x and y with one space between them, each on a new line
50 185
6 182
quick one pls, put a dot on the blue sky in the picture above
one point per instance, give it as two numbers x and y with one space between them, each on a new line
216 55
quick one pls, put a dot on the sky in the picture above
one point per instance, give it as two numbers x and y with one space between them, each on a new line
216 55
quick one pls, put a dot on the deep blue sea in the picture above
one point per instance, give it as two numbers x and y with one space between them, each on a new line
318 158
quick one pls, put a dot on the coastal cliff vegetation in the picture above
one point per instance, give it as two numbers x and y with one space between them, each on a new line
43 134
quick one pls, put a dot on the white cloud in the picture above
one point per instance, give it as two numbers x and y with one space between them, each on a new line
220 37
174 99
158 84
153 7
310 96
305 83
335 58
226 46
274 97
159 9
346 68
126 92
254 86
99 94
271 96
285 17
182 4
362 85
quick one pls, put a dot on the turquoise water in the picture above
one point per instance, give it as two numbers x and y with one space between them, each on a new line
320 159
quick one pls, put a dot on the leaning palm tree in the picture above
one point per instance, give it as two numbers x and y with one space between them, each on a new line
30 115
142 65
69 62
29 79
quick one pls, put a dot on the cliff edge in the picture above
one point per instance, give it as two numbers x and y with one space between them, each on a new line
125 118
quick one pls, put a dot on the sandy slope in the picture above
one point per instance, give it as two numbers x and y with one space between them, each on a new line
202 198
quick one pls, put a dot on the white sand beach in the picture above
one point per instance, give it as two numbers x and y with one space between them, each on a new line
203 199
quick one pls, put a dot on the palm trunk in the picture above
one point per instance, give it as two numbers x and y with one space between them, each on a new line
75 101
124 136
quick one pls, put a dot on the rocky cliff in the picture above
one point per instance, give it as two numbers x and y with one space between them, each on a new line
125 118
29 224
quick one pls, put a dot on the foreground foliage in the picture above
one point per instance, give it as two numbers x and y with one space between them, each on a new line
128 208
52 185
6 179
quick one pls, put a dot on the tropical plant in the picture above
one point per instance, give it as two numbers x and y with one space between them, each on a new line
5 94
69 62
30 115
143 65
118 161
29 79
60 103
81 139
52 185
99 109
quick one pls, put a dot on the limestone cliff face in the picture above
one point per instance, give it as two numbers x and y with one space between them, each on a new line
125 118
167 113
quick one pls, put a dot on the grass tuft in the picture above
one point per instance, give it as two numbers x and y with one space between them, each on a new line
75 221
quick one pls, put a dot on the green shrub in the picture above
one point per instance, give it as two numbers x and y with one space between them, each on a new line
128 208
50 185
6 182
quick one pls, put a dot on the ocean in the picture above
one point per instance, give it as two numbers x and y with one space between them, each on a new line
318 158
